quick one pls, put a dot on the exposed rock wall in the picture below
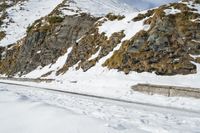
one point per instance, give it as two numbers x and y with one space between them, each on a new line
44 44
89 45
166 47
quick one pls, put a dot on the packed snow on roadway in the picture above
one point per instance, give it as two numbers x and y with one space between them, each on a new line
31 110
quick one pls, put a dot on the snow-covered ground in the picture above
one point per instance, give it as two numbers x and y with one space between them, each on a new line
22 114
33 110
115 85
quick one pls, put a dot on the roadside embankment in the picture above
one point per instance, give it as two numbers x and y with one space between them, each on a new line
169 91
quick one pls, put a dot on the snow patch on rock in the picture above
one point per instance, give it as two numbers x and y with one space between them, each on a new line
37 73
172 11
127 25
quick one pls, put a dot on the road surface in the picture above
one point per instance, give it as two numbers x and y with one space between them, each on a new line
73 110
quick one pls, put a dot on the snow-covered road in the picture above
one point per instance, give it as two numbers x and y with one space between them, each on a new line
33 110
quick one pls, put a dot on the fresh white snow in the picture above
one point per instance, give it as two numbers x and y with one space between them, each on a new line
98 7
51 67
172 11
23 114
195 56
147 4
23 15
95 55
193 6
33 110
110 83
126 25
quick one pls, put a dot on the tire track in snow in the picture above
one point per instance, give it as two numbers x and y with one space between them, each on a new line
144 106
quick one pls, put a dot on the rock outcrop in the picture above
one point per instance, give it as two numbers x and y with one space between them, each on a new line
168 47
44 43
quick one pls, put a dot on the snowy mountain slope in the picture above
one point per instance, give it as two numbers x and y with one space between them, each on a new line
80 48
102 7
97 73
108 27
99 7
115 48
23 14
148 4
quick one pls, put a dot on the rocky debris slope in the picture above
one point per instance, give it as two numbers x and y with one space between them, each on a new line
165 40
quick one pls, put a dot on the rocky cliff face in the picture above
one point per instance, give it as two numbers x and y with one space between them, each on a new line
170 45
167 47
45 42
